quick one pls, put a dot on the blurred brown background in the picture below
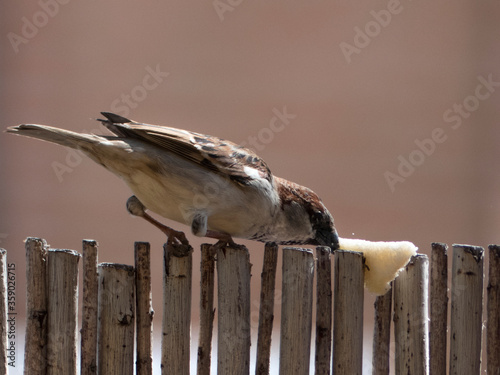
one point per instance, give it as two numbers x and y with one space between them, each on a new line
368 83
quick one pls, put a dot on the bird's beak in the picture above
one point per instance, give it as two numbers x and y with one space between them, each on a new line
328 238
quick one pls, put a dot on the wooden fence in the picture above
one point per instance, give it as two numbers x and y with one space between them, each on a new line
117 312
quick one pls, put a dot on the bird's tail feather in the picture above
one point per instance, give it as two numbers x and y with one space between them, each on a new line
55 135
383 260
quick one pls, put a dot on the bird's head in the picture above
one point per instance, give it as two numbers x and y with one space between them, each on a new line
307 215
325 233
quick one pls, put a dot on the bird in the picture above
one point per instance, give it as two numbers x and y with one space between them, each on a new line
218 188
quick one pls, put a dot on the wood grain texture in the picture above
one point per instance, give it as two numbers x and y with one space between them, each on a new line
466 310
411 317
493 314
144 309
207 312
382 334
233 275
438 301
296 311
348 313
176 322
35 347
116 319
324 312
88 361
62 281
266 309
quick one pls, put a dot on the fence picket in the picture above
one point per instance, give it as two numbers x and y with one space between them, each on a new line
176 323
348 313
296 311
493 317
62 312
88 360
206 309
233 287
382 334
466 310
144 309
438 305
411 317
116 319
35 346
324 311
266 309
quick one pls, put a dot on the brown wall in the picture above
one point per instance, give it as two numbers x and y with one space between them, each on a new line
361 103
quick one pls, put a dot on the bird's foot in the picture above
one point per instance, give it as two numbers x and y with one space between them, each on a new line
136 208
175 237
225 240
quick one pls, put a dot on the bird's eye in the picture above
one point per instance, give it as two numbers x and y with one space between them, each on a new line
317 216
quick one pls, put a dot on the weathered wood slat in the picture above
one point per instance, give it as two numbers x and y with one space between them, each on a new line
88 360
144 309
466 310
493 315
207 312
296 311
266 309
176 323
382 334
233 341
62 312
116 319
35 346
411 317
348 313
438 301
324 312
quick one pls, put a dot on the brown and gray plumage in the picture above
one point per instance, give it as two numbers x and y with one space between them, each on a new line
219 189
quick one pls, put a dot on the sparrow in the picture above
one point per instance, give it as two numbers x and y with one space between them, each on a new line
219 189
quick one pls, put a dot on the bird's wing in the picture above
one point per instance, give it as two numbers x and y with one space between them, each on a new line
218 155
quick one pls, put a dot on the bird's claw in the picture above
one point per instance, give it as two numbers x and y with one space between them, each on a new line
223 243
176 238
